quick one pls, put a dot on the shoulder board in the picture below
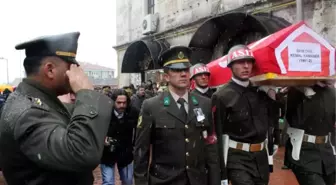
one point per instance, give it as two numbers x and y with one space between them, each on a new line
37 103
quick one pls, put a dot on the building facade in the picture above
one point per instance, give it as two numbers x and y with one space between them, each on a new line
209 27
99 75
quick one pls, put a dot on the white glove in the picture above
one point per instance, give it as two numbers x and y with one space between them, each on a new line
309 92
224 182
275 149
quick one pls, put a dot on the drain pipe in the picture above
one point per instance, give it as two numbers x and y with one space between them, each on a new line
299 11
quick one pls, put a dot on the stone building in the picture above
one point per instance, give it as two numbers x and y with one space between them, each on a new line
209 27
99 75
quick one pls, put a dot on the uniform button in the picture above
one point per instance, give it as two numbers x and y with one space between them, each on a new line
187 154
187 167
165 126
92 112
186 126
187 140
202 125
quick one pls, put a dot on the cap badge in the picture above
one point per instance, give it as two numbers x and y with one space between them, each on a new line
180 55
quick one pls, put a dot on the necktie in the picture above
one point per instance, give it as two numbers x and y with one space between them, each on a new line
183 112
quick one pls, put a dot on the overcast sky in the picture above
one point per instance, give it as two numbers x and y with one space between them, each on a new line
21 20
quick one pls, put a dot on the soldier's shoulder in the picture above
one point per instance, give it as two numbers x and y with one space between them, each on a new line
18 104
225 88
199 97
152 101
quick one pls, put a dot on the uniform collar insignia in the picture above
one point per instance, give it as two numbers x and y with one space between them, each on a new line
166 101
194 100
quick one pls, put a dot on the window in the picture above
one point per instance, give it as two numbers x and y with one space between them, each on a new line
150 6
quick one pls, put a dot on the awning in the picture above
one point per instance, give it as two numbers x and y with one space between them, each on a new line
142 55
218 34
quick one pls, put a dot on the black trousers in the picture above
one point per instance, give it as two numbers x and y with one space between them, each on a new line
310 178
241 177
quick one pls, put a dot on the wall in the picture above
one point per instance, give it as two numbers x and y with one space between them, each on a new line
172 13
320 14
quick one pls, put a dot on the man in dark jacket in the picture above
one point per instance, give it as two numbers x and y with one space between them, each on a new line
176 125
119 140
40 141
243 118
311 118
138 98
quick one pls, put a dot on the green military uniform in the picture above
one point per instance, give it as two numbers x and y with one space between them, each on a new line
182 151
40 141
316 116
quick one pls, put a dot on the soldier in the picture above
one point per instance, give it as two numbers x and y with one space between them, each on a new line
200 74
310 150
242 119
40 141
177 124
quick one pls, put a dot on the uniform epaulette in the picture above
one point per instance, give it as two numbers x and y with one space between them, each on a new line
37 102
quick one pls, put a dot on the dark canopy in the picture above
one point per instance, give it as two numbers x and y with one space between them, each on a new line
142 55
217 35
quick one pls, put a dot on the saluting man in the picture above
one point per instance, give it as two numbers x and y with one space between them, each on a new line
200 74
41 141
177 124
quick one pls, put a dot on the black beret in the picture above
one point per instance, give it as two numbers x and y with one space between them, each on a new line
62 45
176 58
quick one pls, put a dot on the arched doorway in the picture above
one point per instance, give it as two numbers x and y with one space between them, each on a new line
217 35
142 56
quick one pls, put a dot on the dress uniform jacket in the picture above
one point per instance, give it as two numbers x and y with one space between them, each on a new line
42 143
180 153
243 114
316 116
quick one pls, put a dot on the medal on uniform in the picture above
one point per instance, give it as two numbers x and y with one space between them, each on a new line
199 114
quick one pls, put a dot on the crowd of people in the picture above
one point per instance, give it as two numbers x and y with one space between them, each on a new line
56 128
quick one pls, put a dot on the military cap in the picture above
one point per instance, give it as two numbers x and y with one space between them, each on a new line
62 45
175 58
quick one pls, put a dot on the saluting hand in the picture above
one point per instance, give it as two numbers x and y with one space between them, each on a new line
78 79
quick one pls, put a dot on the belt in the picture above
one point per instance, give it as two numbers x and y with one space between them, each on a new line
315 139
246 146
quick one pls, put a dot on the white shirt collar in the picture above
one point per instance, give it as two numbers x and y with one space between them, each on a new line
176 97
242 83
202 90
119 116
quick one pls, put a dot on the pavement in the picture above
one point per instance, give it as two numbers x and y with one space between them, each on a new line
278 177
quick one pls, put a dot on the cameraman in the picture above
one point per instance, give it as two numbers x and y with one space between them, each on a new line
119 140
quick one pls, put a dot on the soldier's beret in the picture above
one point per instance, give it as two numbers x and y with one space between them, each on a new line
62 45
175 58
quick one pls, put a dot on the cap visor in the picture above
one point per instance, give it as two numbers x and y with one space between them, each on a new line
70 60
182 65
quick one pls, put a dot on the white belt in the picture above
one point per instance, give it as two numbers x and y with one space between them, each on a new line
245 146
312 138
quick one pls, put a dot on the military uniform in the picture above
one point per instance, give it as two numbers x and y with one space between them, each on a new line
207 94
182 152
242 118
316 117
40 141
